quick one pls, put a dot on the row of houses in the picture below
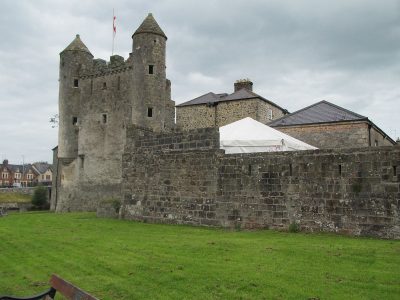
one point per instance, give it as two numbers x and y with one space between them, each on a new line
39 173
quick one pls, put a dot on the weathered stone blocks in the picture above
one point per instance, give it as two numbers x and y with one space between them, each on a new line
203 186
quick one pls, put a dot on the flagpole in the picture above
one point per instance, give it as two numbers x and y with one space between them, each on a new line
113 35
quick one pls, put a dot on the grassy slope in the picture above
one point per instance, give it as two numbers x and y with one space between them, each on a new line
14 197
127 260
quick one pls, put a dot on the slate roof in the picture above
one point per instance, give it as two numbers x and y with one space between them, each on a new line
19 168
77 45
150 25
211 98
320 112
42 167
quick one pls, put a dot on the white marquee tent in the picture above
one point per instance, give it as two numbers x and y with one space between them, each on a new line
248 135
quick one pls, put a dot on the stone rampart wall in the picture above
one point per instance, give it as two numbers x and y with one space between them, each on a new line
176 178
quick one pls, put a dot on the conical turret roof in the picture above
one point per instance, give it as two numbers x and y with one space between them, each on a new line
150 25
77 45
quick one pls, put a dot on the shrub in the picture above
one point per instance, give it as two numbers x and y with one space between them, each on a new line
39 197
294 227
114 203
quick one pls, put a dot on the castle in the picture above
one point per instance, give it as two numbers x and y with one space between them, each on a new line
97 101
120 153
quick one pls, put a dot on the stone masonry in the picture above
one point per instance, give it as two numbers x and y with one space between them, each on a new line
97 101
337 135
184 178
203 115
220 112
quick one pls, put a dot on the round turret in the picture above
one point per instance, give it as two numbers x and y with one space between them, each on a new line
149 75
75 60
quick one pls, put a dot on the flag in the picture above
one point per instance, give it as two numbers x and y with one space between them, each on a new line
114 26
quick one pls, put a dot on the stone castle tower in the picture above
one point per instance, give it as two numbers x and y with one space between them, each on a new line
97 100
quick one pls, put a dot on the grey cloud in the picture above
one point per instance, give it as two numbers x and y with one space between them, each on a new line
296 53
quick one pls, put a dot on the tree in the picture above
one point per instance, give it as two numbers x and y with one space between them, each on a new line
54 121
39 197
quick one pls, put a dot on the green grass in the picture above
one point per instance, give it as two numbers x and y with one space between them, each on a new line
14 197
114 259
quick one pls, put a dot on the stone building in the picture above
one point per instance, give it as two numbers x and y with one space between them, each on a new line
216 110
326 125
97 100
323 125
118 144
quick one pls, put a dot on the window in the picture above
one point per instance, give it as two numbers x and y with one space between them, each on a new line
91 86
4 175
29 176
17 175
270 114
81 161
150 112
76 83
42 177
151 69
74 120
48 177
104 85
119 83
104 118
376 143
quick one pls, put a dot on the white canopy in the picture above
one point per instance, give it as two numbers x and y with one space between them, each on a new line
248 135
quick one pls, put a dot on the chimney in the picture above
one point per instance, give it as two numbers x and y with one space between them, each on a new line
243 84
5 162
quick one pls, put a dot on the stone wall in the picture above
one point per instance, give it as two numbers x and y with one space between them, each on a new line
184 178
378 139
337 135
326 136
223 113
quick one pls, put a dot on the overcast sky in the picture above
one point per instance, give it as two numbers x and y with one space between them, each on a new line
295 52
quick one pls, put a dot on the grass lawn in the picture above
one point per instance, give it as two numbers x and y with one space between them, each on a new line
14 197
114 259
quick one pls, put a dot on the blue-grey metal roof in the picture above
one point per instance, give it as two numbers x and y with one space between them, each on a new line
321 112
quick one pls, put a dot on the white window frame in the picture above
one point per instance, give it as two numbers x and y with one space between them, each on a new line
270 115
